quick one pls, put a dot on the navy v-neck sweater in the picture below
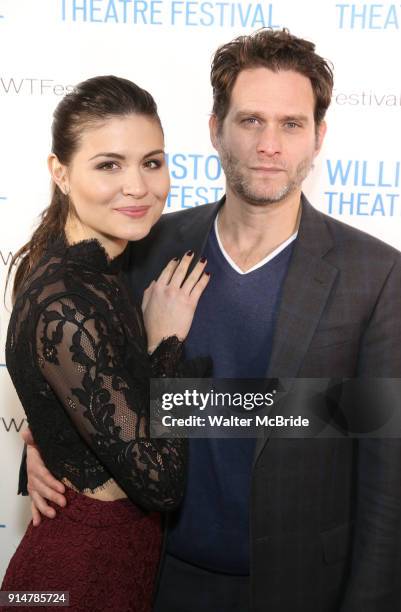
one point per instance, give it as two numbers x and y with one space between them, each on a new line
234 324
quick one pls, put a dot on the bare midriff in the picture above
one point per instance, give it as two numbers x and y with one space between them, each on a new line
109 491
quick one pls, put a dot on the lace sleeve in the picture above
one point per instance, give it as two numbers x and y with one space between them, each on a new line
166 357
110 409
167 361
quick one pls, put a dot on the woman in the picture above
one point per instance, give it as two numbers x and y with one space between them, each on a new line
80 353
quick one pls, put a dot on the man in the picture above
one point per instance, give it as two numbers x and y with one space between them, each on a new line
306 525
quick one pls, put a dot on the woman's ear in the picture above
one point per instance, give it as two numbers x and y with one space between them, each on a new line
58 173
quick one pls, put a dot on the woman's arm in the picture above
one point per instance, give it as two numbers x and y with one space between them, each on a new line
109 408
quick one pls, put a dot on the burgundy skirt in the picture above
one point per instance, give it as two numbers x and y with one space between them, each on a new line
104 553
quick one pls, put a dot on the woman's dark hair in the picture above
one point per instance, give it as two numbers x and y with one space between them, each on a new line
91 101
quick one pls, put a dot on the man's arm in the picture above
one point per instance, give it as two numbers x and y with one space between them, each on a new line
375 579
40 483
380 351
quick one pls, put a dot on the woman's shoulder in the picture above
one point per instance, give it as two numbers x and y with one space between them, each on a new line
47 281
80 271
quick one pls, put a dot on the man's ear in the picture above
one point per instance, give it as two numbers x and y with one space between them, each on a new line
213 130
320 134
58 173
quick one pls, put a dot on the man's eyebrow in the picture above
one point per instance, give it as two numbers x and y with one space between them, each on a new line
122 157
296 117
247 113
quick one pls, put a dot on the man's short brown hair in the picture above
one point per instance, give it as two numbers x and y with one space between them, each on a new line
276 50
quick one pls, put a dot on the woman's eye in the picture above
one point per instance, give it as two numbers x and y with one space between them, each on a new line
153 164
110 165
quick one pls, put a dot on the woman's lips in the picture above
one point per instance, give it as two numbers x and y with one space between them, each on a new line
133 211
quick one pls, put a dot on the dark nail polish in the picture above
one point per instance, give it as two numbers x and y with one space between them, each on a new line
202 259
189 253
207 273
176 259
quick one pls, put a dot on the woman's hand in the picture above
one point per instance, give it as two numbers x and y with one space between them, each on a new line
169 303
42 486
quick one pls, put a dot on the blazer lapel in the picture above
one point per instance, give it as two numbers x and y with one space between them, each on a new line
193 233
306 289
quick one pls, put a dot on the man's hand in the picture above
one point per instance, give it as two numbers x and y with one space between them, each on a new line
42 486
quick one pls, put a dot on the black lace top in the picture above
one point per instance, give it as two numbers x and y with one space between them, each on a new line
77 354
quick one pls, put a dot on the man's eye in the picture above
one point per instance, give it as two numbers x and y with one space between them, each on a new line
110 165
292 124
250 121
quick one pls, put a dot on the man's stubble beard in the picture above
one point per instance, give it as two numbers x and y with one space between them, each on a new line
239 184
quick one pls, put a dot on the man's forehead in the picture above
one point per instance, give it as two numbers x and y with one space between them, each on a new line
262 87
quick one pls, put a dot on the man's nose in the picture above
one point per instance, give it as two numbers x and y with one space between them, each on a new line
269 141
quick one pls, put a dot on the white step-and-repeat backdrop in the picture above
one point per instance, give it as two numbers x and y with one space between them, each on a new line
46 46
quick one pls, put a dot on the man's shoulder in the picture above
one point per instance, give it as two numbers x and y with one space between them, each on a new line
190 215
349 239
